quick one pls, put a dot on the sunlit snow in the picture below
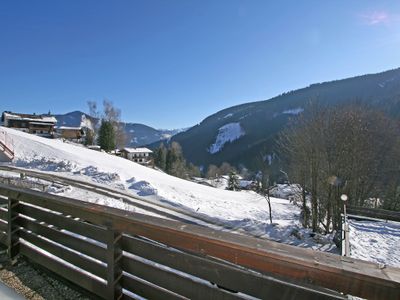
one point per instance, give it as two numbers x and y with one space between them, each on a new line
227 133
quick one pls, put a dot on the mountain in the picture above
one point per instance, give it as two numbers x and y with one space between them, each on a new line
136 134
242 133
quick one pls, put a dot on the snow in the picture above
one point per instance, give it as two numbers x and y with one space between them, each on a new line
228 116
245 211
293 111
43 118
137 150
227 133
384 83
378 242
68 128
86 122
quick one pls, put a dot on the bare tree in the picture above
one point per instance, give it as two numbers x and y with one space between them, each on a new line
113 115
110 114
264 184
213 172
353 144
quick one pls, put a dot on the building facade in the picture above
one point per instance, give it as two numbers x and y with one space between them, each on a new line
142 156
42 125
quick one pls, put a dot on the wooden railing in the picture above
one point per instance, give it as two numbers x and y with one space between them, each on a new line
374 213
6 144
115 254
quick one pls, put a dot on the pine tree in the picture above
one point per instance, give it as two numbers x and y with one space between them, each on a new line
89 140
106 139
233 182
160 157
175 163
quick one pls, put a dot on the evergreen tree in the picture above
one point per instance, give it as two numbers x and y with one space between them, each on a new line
106 139
175 163
233 182
89 140
160 157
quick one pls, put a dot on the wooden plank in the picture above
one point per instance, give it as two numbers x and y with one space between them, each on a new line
3 238
85 229
67 240
3 226
12 228
114 268
225 275
147 289
3 214
75 276
71 257
375 213
187 287
3 201
349 276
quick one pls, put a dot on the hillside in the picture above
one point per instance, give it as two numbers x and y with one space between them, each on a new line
136 134
245 210
241 134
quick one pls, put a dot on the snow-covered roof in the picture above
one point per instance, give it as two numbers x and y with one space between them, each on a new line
68 128
37 122
27 117
137 150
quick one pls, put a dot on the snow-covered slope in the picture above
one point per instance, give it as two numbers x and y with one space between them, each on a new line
226 134
373 241
245 210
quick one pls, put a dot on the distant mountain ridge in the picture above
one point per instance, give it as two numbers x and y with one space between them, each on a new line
136 134
240 134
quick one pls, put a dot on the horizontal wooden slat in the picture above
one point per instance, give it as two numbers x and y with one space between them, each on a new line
67 240
3 238
69 256
184 286
62 222
346 275
147 289
224 275
374 213
75 276
3 201
3 214
3 226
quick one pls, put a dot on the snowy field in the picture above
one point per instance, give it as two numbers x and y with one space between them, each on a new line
245 210
378 242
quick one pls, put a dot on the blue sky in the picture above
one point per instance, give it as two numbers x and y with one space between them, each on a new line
170 63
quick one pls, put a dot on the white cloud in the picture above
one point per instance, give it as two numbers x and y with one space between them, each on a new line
378 17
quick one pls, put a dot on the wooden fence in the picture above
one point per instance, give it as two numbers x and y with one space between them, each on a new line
374 213
115 254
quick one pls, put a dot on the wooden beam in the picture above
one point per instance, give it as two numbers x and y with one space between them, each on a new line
346 275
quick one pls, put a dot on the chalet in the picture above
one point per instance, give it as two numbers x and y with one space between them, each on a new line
138 155
70 133
42 125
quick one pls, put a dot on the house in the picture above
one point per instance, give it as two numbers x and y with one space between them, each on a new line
42 125
70 133
138 155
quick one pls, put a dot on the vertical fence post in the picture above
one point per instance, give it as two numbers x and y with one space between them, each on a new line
12 230
114 268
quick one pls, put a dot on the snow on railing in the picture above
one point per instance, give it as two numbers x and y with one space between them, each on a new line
6 144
